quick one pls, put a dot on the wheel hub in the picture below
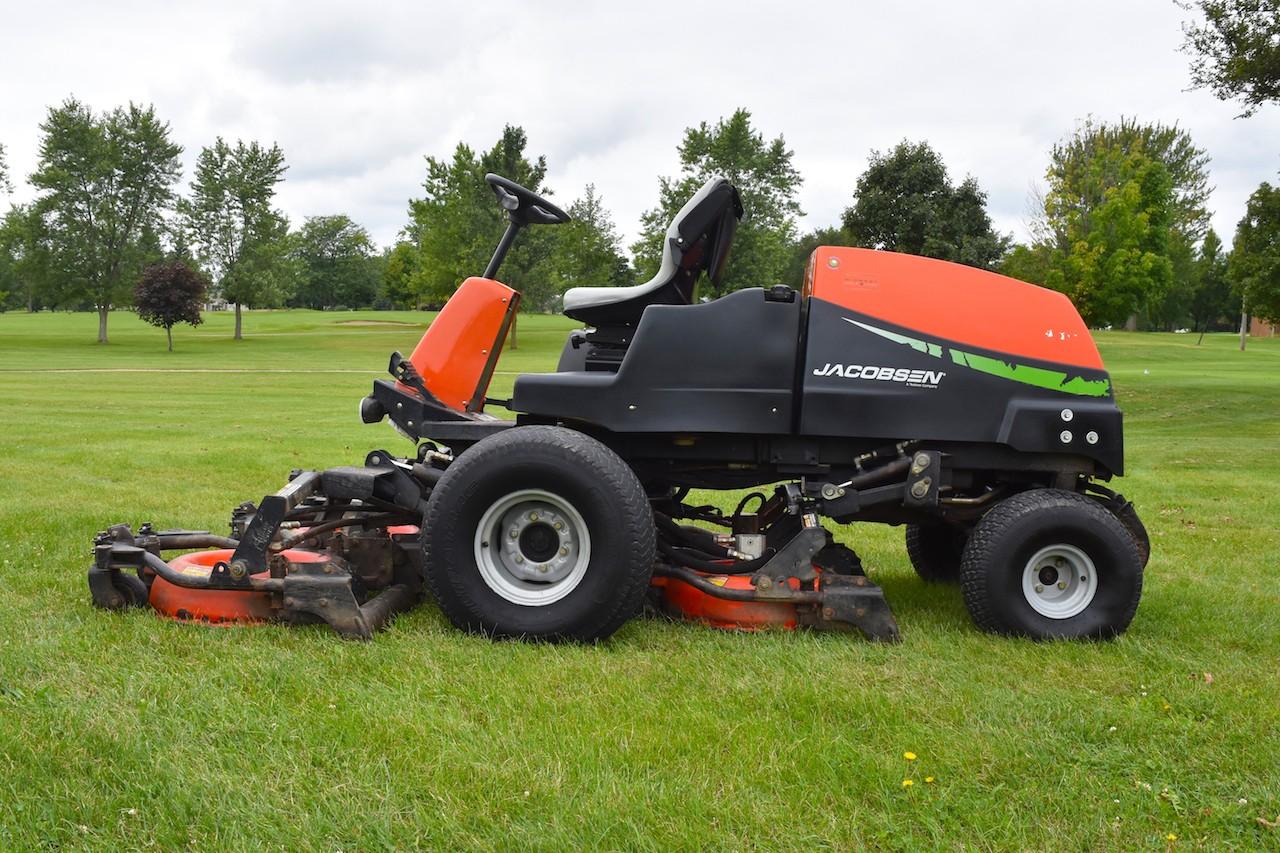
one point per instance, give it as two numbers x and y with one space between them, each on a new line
1059 581
532 547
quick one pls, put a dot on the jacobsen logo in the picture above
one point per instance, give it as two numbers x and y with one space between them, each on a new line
911 378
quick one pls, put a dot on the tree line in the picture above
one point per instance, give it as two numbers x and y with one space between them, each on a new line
1121 228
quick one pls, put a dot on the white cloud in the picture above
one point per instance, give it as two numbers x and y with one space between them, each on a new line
358 95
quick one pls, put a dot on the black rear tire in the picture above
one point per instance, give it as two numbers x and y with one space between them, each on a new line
1128 516
539 498
935 551
839 560
132 588
1021 566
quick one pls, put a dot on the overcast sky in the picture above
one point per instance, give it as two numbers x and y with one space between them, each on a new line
358 93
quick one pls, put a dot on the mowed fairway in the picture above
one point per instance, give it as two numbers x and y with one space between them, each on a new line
127 731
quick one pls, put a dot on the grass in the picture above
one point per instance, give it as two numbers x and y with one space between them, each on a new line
127 731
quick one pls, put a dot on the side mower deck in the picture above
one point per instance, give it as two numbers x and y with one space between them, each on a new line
337 547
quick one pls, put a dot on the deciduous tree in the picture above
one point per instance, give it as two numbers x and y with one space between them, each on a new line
1235 50
457 223
1211 300
1124 207
5 186
585 250
234 229
1254 266
25 259
170 293
803 248
400 280
768 182
905 202
336 263
103 181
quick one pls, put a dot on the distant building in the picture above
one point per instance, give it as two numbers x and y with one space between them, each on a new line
1259 329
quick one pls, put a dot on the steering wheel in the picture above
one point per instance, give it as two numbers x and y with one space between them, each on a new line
524 206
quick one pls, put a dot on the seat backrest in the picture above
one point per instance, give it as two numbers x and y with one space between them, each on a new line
697 241
701 234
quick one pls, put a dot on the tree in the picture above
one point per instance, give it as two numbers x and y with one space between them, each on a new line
1116 250
1254 266
103 180
5 186
585 251
400 280
804 247
1212 298
1124 207
24 259
1236 50
458 223
236 233
336 263
170 293
1187 165
905 202
765 177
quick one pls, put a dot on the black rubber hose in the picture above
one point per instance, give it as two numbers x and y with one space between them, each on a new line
697 538
187 541
379 520
737 567
742 504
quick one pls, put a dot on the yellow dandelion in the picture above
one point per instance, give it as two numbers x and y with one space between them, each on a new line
1171 837
907 783
910 756
928 780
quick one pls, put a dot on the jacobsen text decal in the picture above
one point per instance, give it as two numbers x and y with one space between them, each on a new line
912 378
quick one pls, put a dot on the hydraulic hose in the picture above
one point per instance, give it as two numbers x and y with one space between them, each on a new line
377 520
737 567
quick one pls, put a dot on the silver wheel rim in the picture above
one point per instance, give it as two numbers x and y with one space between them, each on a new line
532 547
1059 581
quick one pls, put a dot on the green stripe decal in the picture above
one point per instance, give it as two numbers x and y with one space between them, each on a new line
1054 380
914 343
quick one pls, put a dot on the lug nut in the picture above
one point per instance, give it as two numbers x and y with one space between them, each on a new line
1062 584
564 552
1039 588
559 525
515 532
544 568
533 516
519 559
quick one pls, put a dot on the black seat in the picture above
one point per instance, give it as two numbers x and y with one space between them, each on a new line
698 240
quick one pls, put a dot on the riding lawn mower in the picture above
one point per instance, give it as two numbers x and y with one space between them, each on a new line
969 407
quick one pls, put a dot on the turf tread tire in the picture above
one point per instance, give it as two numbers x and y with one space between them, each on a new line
132 589
839 560
935 551
990 538
574 455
